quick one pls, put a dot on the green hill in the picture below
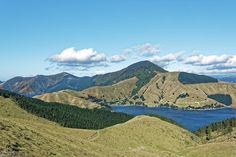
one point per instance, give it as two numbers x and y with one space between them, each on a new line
24 134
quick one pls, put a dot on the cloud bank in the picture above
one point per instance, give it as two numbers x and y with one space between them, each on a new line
85 58
213 63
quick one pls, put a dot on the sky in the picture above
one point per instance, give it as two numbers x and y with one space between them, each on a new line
88 37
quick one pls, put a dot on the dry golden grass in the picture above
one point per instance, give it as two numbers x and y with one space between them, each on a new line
119 90
166 88
68 97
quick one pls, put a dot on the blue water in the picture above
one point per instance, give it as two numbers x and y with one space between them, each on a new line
190 119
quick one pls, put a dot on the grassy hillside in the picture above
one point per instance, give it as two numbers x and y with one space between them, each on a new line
168 90
119 91
68 97
93 97
23 134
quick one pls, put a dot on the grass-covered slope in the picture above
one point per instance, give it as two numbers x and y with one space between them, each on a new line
166 89
120 90
24 134
68 97
147 133
92 97
68 115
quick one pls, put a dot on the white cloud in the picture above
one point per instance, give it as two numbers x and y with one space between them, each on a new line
85 58
165 60
206 60
213 63
117 58
143 50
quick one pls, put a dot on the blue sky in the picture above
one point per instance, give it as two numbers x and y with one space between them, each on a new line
99 36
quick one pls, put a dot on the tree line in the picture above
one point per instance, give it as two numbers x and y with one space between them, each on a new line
68 115
222 127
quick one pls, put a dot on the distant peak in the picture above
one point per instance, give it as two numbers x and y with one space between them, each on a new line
64 73
147 64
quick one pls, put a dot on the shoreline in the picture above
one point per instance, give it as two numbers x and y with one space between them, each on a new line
176 107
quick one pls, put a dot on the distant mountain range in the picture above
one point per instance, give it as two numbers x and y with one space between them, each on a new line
231 79
40 84
225 78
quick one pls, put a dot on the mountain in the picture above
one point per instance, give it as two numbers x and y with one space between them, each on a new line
143 71
171 89
40 84
26 134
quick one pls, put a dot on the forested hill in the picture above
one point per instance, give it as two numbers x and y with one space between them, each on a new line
68 115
